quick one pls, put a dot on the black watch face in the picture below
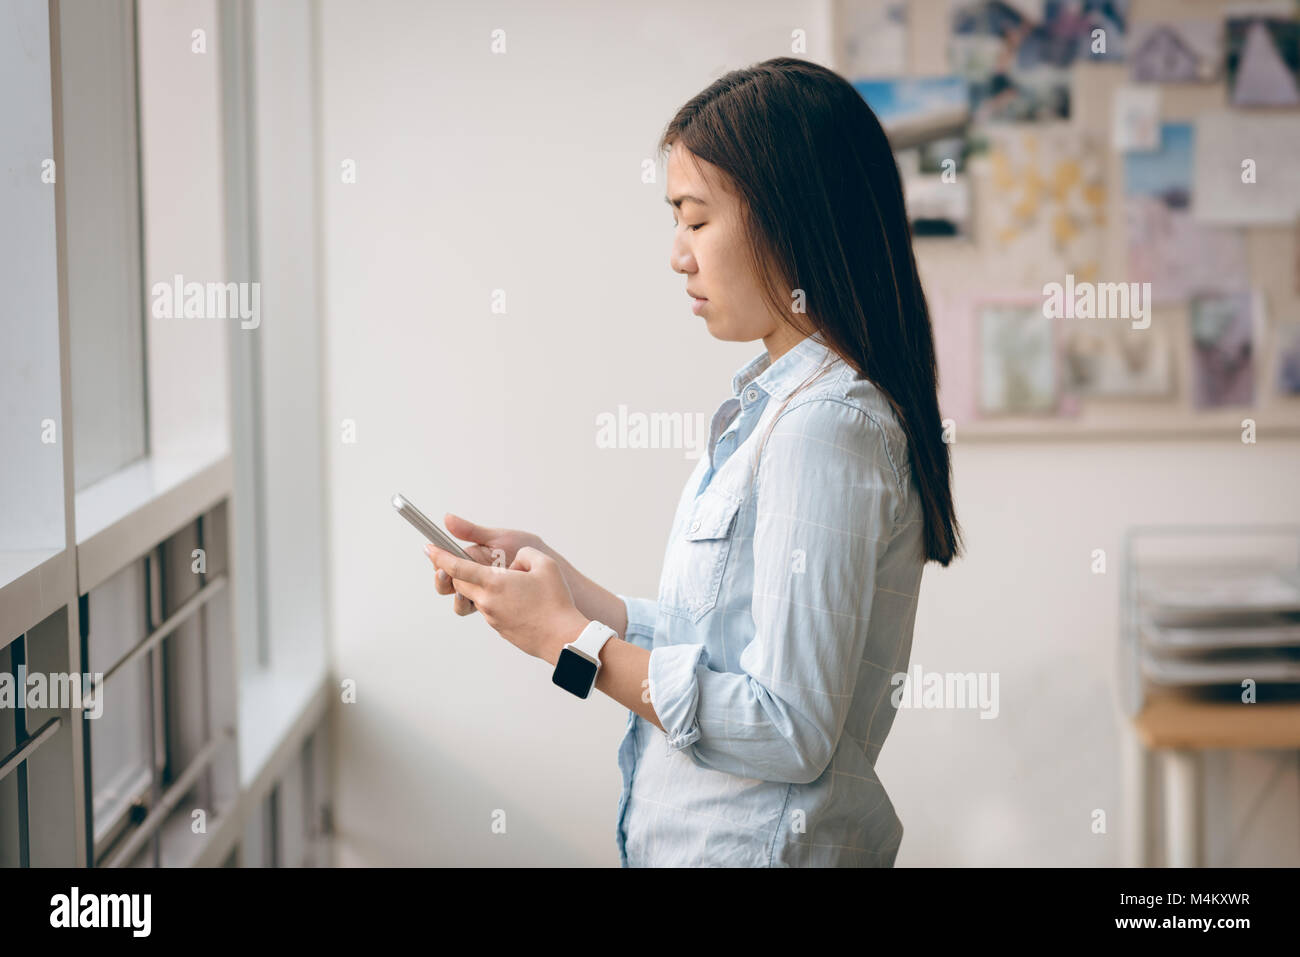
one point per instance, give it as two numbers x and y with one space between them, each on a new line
574 673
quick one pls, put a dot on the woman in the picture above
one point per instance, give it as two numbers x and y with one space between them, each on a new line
790 580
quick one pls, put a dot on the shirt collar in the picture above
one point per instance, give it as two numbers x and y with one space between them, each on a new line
780 378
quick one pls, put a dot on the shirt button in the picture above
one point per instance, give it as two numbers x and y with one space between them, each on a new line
751 395
695 526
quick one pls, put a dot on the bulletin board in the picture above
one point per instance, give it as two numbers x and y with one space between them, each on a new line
1105 207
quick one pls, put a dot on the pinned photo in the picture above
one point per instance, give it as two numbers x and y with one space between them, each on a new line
1263 61
1017 55
1167 246
1188 51
925 119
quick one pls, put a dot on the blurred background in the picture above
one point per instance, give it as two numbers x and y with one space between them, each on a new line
268 263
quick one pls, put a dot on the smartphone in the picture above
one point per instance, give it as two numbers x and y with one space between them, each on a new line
429 530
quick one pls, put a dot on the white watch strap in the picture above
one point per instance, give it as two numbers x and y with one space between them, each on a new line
593 639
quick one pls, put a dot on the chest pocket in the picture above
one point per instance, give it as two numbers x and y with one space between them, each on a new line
698 555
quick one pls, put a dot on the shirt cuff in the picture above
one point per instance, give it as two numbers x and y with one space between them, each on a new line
642 616
675 691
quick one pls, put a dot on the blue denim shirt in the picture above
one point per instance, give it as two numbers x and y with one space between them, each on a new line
783 612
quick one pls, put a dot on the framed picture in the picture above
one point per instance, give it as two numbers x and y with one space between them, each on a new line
1288 358
1224 341
1105 360
1018 372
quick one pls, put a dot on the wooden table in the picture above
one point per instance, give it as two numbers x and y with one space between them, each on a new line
1176 728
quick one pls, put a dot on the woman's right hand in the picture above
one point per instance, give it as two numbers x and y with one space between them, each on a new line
500 545
490 546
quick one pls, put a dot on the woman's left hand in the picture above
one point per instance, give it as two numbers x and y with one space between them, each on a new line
529 604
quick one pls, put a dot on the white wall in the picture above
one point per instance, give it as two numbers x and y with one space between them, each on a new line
520 172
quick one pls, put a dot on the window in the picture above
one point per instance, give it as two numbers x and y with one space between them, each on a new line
102 190
290 826
32 529
36 754
134 162
162 753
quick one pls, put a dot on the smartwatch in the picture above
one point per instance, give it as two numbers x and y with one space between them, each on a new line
579 660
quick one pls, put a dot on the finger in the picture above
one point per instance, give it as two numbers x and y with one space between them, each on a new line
445 586
469 591
526 558
467 531
460 569
480 553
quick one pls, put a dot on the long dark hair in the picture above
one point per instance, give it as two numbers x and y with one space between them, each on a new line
822 204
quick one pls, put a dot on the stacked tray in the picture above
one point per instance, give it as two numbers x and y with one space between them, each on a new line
1202 626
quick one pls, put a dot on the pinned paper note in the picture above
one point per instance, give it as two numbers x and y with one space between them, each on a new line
1246 169
1136 119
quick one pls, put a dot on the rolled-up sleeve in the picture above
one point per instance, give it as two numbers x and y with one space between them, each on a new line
828 499
642 614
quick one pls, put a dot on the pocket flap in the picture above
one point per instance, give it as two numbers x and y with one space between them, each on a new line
713 514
